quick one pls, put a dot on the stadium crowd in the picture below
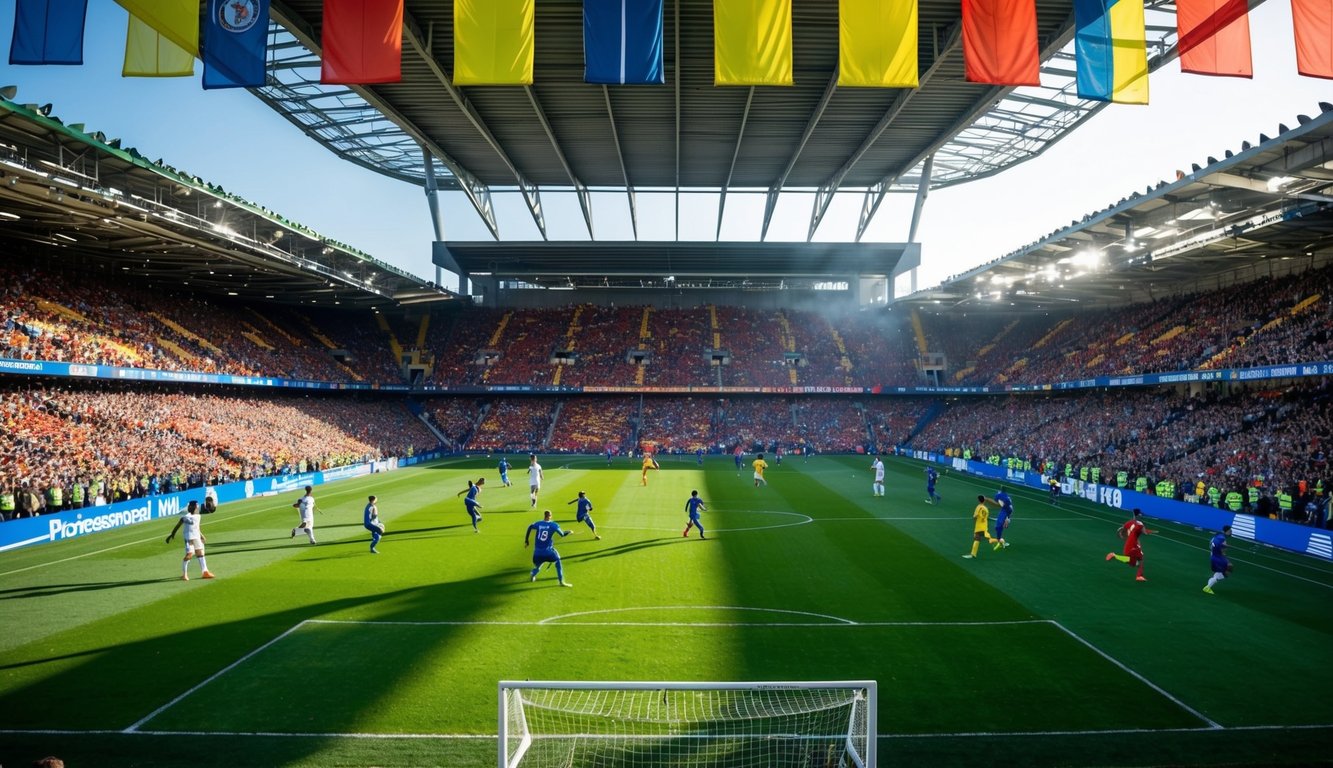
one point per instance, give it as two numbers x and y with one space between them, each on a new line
73 445
1260 450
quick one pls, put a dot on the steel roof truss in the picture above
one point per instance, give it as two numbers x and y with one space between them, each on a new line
585 201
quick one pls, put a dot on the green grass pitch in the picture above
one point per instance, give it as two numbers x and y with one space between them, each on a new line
300 655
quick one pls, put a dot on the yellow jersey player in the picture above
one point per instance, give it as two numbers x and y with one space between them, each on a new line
648 463
980 526
759 466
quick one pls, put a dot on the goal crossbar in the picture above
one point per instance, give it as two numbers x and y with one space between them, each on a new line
687 723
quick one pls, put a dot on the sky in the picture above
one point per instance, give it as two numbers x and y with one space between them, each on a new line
232 139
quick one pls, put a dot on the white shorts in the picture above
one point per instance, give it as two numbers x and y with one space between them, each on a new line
308 519
759 477
879 479
194 545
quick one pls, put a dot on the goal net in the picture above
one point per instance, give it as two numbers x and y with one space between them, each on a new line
778 724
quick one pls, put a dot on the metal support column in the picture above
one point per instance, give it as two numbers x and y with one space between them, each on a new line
922 190
436 215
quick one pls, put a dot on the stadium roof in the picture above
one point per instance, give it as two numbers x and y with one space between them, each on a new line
1229 220
82 197
567 135
676 264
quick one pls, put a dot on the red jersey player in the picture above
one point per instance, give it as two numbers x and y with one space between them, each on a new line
1130 532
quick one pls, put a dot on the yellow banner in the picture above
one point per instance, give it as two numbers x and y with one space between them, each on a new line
176 20
877 43
493 42
150 54
752 42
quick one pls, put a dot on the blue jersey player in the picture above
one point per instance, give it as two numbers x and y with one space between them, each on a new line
1002 519
693 506
471 501
1221 564
931 477
371 521
544 551
584 514
699 456
608 455
504 472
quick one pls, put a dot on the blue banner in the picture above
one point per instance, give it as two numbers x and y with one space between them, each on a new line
1260 373
622 41
1304 539
48 32
81 522
235 43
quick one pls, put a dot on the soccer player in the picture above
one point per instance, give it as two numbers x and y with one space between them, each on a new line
585 507
980 519
931 477
608 455
1002 521
471 502
737 455
1221 564
371 519
534 479
1055 491
699 456
648 463
544 551
778 453
759 466
693 506
504 472
306 506
1130 532
877 487
194 540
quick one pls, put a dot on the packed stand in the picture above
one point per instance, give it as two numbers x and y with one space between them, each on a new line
891 420
81 317
528 341
679 338
457 340
757 342
600 341
686 424
594 424
759 424
125 443
456 417
1266 446
830 425
515 424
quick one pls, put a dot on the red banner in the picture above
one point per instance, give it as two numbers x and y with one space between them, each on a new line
362 41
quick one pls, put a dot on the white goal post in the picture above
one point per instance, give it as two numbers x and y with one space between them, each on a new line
777 724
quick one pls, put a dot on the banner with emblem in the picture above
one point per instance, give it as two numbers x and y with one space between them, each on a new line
235 43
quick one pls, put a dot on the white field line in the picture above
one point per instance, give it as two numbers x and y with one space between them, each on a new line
134 727
492 737
946 519
1211 723
549 623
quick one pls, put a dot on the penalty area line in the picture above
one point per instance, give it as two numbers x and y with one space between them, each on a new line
1212 724
133 728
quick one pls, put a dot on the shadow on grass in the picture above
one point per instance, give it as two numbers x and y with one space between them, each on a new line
49 590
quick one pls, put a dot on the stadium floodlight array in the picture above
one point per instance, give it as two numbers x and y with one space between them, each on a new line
727 725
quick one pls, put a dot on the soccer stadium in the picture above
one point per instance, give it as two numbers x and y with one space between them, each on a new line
269 498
